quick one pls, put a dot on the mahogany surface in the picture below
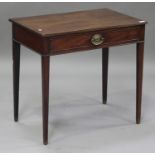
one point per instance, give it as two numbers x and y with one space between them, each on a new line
62 33
54 24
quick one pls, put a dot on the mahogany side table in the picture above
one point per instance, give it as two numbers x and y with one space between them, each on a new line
54 34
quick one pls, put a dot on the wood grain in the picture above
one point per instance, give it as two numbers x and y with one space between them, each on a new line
54 24
71 32
82 41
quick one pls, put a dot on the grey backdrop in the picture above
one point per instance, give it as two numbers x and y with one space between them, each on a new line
78 122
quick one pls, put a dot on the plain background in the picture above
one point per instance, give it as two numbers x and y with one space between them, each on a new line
78 121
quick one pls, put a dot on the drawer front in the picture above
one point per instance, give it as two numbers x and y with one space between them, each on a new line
86 41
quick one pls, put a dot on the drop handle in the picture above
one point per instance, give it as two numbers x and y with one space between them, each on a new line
97 39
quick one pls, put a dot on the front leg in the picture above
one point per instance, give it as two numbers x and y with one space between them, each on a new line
45 95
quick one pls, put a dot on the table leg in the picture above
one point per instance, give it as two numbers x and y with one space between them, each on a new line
139 79
45 95
105 55
16 74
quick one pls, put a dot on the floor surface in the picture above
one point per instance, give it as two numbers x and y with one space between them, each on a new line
78 121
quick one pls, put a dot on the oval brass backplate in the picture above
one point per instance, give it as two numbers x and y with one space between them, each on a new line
97 39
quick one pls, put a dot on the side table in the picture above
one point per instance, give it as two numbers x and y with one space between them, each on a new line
54 34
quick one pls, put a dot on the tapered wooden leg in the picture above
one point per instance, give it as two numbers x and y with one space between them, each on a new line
16 74
45 95
105 55
139 79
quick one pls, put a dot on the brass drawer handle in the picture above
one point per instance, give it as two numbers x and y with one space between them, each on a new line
97 39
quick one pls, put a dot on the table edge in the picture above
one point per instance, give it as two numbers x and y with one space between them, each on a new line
79 31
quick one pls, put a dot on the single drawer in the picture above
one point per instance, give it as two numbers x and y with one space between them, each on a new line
96 39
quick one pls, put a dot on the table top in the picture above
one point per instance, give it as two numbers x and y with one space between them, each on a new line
73 22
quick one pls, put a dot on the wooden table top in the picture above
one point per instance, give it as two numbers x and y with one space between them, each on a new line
73 22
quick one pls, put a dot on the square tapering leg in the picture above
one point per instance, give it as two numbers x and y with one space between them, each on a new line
105 55
16 74
45 95
139 80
